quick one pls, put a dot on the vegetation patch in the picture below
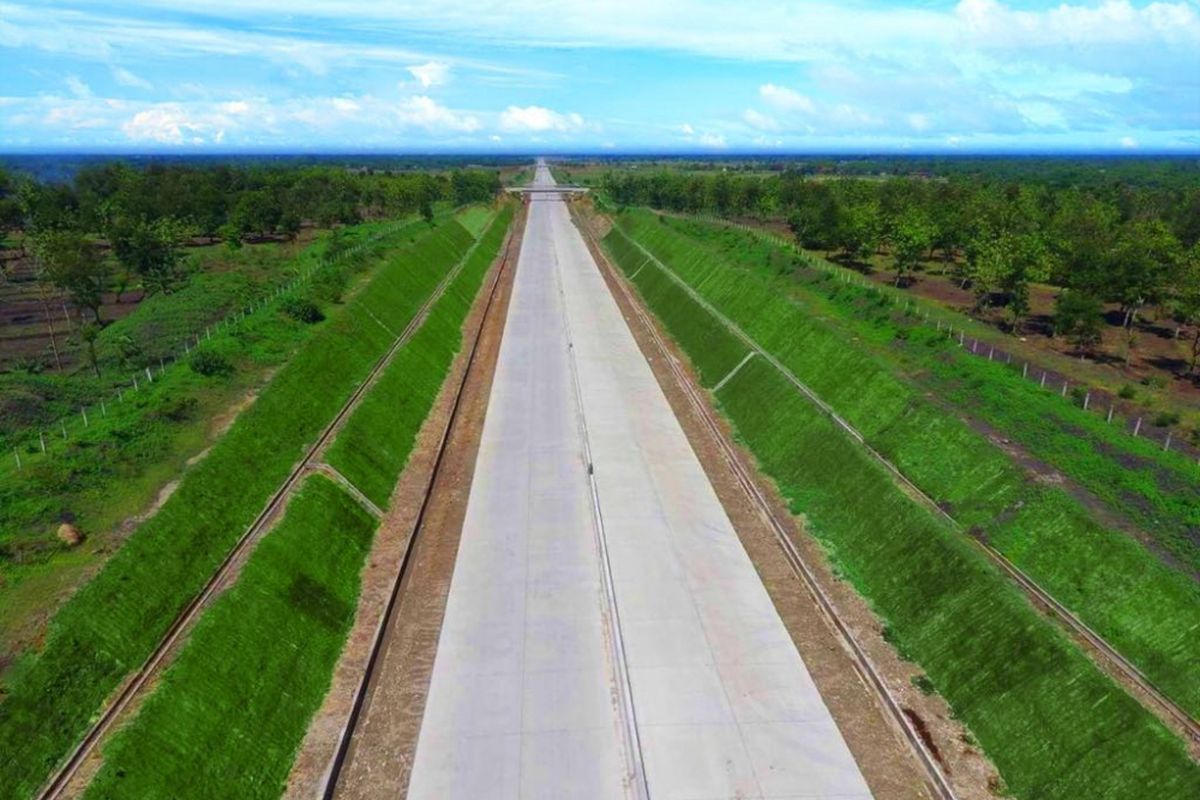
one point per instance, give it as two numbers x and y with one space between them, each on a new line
232 709
1052 722
373 447
113 622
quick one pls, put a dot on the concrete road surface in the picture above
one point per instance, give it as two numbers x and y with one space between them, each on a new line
606 635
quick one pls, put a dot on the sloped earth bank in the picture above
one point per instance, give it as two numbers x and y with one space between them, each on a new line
382 758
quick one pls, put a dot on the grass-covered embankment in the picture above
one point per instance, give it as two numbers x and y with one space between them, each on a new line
374 445
848 355
110 470
109 627
1054 725
230 712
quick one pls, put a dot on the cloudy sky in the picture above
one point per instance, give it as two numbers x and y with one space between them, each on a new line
794 75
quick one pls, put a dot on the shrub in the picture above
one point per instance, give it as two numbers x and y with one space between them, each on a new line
1164 419
302 310
210 364
1127 392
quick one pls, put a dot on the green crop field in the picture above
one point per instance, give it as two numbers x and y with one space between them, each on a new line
113 622
1054 725
374 445
232 709
1142 606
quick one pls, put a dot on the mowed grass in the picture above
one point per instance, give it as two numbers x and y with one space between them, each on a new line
1143 607
373 447
109 627
1054 725
475 219
231 711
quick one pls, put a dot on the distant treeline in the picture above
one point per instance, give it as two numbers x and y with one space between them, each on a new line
227 200
1134 243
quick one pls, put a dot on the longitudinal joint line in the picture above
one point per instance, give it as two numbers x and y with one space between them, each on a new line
634 757
1159 703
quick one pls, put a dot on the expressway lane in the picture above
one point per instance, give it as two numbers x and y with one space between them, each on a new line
606 634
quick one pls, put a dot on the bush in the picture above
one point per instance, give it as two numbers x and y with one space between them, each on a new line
1127 392
1165 419
210 364
302 310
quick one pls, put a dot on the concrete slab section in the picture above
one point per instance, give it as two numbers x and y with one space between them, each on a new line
522 700
575 592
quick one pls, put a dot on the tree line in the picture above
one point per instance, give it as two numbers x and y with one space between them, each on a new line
113 225
1129 242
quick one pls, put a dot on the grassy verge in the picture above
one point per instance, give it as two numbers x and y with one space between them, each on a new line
374 446
241 694
113 622
108 472
1054 725
847 355
231 711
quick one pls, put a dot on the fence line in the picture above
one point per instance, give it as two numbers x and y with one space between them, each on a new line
944 323
231 320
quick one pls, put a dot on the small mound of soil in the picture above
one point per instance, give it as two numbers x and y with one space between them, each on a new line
69 535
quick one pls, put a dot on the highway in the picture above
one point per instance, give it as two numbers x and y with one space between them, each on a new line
606 635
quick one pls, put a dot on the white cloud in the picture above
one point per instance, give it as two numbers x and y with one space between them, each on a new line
713 140
786 99
537 119
918 122
431 73
1129 143
424 112
78 87
687 130
127 78
164 124
760 121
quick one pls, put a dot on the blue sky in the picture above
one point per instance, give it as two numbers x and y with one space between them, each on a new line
623 75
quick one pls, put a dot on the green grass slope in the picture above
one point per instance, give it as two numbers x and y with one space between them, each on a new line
1054 725
231 711
1143 607
375 443
111 625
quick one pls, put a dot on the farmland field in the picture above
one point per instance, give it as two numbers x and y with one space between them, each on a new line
1044 714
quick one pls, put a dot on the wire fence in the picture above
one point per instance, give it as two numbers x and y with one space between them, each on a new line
1135 422
41 441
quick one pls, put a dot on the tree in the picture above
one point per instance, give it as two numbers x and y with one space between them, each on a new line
1187 302
1077 315
858 232
1142 265
74 264
151 250
912 236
